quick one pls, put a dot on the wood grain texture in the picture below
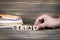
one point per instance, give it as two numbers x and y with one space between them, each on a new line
30 9
8 34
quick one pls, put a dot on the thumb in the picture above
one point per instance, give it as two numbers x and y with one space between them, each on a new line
41 25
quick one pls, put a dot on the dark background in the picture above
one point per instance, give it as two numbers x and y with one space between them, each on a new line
30 9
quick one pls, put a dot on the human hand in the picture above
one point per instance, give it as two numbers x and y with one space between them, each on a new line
46 21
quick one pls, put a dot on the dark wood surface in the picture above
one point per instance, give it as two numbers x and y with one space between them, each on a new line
29 9
51 34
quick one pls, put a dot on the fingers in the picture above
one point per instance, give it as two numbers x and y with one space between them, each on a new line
39 20
45 21
39 23
40 26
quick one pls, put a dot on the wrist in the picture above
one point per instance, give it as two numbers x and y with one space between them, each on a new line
59 21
